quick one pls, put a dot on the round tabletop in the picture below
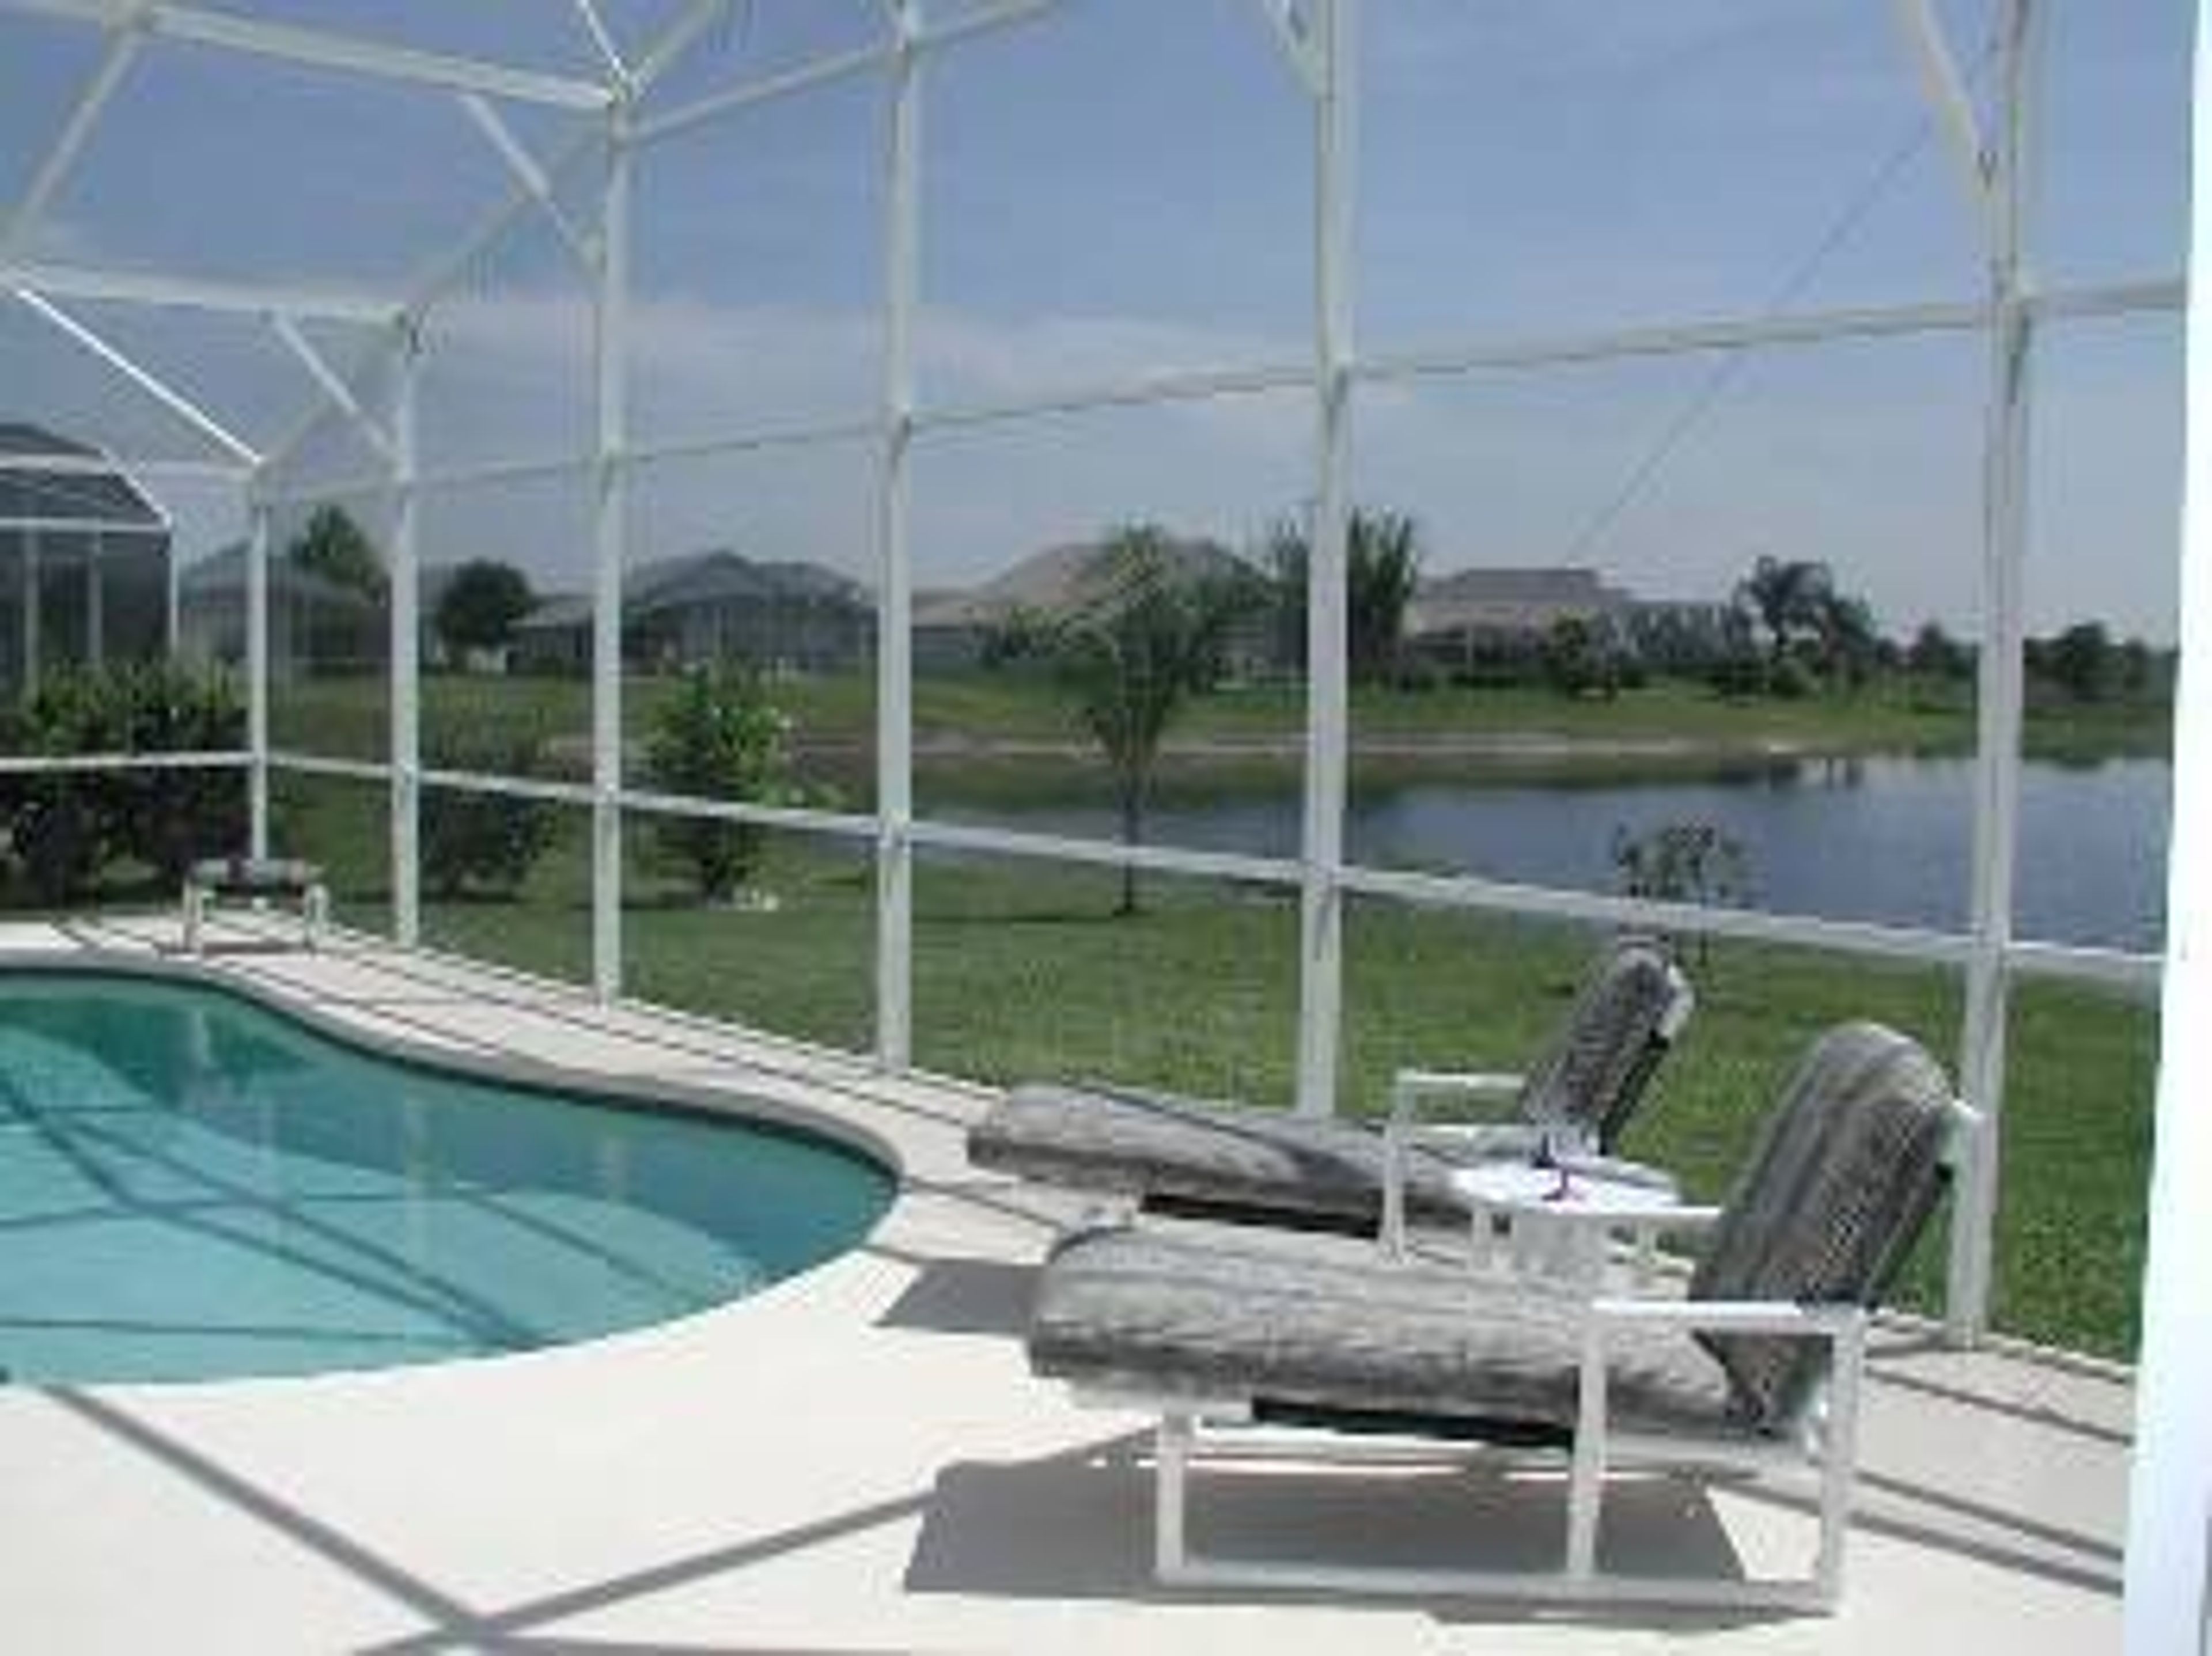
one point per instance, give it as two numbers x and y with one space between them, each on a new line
1582 1193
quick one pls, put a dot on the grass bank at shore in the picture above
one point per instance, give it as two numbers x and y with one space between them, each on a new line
965 718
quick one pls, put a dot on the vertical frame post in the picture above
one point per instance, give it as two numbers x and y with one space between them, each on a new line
895 559
1999 687
1320 940
96 617
33 596
611 537
406 661
2168 1604
256 669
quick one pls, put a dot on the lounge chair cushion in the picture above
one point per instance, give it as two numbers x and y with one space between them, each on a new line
1121 1142
1188 1156
1324 1326
1846 1170
1593 1074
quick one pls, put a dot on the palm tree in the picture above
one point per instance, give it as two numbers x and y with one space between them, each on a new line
1382 567
1790 598
1128 659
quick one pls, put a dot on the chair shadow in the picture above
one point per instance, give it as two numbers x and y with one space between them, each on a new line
965 1296
1079 1526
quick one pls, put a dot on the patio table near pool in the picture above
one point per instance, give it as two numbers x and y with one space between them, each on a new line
255 879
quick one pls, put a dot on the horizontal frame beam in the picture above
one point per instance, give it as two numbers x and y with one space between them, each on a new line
101 465
839 66
340 53
200 293
48 764
105 528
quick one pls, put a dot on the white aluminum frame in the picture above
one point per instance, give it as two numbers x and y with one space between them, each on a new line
1997 178
2168 1603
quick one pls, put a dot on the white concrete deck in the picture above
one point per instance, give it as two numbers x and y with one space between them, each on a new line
859 1459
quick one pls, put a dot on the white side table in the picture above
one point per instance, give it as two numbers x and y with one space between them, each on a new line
1561 1224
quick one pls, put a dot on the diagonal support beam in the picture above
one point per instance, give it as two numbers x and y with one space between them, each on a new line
433 279
76 131
183 406
340 53
1295 36
1953 111
336 390
587 12
681 36
532 177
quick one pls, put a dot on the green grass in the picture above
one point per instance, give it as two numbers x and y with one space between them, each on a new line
1021 970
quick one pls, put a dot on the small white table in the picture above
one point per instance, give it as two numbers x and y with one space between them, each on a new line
1561 1224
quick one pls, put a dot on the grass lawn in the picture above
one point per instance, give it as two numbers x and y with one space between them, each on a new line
1022 970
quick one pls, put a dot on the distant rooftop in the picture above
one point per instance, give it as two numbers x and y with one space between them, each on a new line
71 492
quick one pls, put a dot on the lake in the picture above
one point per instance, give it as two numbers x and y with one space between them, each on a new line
1871 838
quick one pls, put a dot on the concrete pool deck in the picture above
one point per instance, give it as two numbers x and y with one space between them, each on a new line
858 1460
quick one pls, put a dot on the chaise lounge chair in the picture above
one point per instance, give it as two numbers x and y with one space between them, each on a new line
1219 1330
1178 1155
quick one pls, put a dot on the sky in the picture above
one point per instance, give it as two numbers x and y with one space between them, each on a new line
1124 189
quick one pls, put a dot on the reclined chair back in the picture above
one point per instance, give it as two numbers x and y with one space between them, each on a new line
1630 1008
1847 1169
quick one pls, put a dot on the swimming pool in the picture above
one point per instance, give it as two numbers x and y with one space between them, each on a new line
193 1186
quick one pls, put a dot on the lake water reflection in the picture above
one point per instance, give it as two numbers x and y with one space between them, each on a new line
1882 838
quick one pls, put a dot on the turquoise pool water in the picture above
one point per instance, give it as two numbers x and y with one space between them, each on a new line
194 1187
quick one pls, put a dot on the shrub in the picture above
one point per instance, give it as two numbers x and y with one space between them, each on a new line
720 737
488 841
63 830
1683 862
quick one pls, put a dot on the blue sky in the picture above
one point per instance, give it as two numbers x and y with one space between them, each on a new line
1123 189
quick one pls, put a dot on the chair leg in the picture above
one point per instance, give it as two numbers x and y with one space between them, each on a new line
1839 1457
1586 1472
1170 1480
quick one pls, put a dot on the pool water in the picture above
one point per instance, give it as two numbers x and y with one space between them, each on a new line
193 1186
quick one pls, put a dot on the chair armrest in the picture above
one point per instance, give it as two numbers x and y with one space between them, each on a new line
1736 1316
1409 1089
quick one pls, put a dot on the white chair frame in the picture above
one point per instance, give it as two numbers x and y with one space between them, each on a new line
1193 1433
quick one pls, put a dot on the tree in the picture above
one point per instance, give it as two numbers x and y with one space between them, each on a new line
1582 655
1128 661
1382 568
333 546
1850 644
720 737
1933 653
2082 661
1788 600
481 604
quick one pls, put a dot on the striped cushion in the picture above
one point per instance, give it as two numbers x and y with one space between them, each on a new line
1846 1170
1593 1076
1184 1155
1321 1329
1126 1142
